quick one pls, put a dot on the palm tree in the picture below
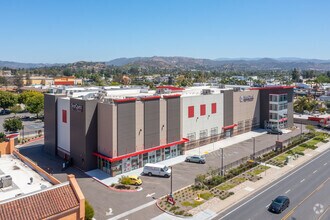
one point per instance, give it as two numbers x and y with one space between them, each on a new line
300 104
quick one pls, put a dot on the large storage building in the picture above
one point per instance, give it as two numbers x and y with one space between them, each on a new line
120 129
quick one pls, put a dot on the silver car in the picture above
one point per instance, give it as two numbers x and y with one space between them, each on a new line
196 159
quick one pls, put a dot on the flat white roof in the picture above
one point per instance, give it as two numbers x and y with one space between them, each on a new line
21 174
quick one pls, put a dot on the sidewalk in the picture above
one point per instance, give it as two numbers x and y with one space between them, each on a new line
107 180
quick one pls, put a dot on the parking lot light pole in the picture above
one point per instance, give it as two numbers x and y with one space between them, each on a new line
171 181
254 148
221 171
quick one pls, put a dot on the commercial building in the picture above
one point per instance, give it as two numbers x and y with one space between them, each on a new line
120 129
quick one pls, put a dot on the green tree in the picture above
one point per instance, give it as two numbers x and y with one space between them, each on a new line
18 81
35 104
16 109
310 128
7 99
12 124
89 211
295 75
23 97
3 81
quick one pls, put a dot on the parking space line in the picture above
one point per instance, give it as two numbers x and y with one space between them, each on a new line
325 164
314 171
302 180
287 191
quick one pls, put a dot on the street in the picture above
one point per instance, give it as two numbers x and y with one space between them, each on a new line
307 187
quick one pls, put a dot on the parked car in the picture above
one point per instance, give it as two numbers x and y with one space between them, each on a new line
279 204
274 131
196 159
135 180
4 112
151 169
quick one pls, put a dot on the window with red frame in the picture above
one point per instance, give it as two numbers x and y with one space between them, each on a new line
64 118
203 110
214 108
191 111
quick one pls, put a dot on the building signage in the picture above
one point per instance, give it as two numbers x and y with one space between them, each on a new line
247 98
76 107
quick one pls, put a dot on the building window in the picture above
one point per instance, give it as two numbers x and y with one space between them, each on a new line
191 112
214 108
203 110
191 136
203 134
64 118
214 131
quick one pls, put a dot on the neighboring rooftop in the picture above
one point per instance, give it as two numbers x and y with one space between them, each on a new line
21 174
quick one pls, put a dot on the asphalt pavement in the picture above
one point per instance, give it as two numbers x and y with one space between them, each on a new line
307 188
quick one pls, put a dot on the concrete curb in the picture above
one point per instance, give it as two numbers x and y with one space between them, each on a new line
170 213
31 141
117 190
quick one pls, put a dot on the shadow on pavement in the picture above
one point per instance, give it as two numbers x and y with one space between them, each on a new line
51 164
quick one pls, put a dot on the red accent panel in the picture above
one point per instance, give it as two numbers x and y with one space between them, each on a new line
64 118
124 100
150 98
272 87
139 152
203 110
315 119
191 111
64 83
171 96
214 108
283 119
229 127
173 88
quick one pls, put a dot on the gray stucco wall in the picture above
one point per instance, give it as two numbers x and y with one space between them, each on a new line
83 133
151 124
50 121
173 119
126 128
228 107
104 128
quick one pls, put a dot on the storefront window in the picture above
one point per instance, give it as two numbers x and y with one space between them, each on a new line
158 156
116 168
127 164
145 159
174 151
167 153
152 157
135 162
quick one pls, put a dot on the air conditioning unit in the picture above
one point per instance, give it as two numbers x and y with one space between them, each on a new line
6 181
206 91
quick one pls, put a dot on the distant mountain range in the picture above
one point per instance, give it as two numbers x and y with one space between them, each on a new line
187 63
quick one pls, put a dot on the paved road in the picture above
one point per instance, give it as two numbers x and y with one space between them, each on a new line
183 175
30 126
300 185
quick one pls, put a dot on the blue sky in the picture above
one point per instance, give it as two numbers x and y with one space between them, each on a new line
100 30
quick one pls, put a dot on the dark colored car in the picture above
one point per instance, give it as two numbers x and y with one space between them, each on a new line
196 159
274 131
4 112
279 204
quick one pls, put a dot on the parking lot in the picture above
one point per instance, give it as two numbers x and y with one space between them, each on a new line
108 203
31 125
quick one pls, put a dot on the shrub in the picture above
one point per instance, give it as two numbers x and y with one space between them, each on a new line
125 180
89 211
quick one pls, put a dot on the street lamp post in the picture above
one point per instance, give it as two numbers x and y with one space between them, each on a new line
221 171
171 181
254 148
301 128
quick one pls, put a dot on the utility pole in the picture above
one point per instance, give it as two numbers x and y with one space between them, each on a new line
171 180
254 148
221 171
301 128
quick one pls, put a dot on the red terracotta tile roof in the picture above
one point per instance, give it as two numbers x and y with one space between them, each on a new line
40 205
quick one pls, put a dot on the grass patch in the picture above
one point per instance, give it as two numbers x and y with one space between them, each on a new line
281 158
192 204
226 186
298 149
206 195
238 180
259 169
313 142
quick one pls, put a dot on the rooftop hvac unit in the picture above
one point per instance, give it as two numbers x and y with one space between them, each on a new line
206 91
6 181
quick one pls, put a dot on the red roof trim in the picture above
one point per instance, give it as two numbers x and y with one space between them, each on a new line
139 152
173 88
150 98
272 87
124 100
64 83
171 96
229 127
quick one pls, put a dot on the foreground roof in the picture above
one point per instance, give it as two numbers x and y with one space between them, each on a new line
41 204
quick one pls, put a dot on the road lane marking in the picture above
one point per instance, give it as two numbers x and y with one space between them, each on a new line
151 194
302 180
325 164
267 205
314 171
133 210
298 169
287 191
315 190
